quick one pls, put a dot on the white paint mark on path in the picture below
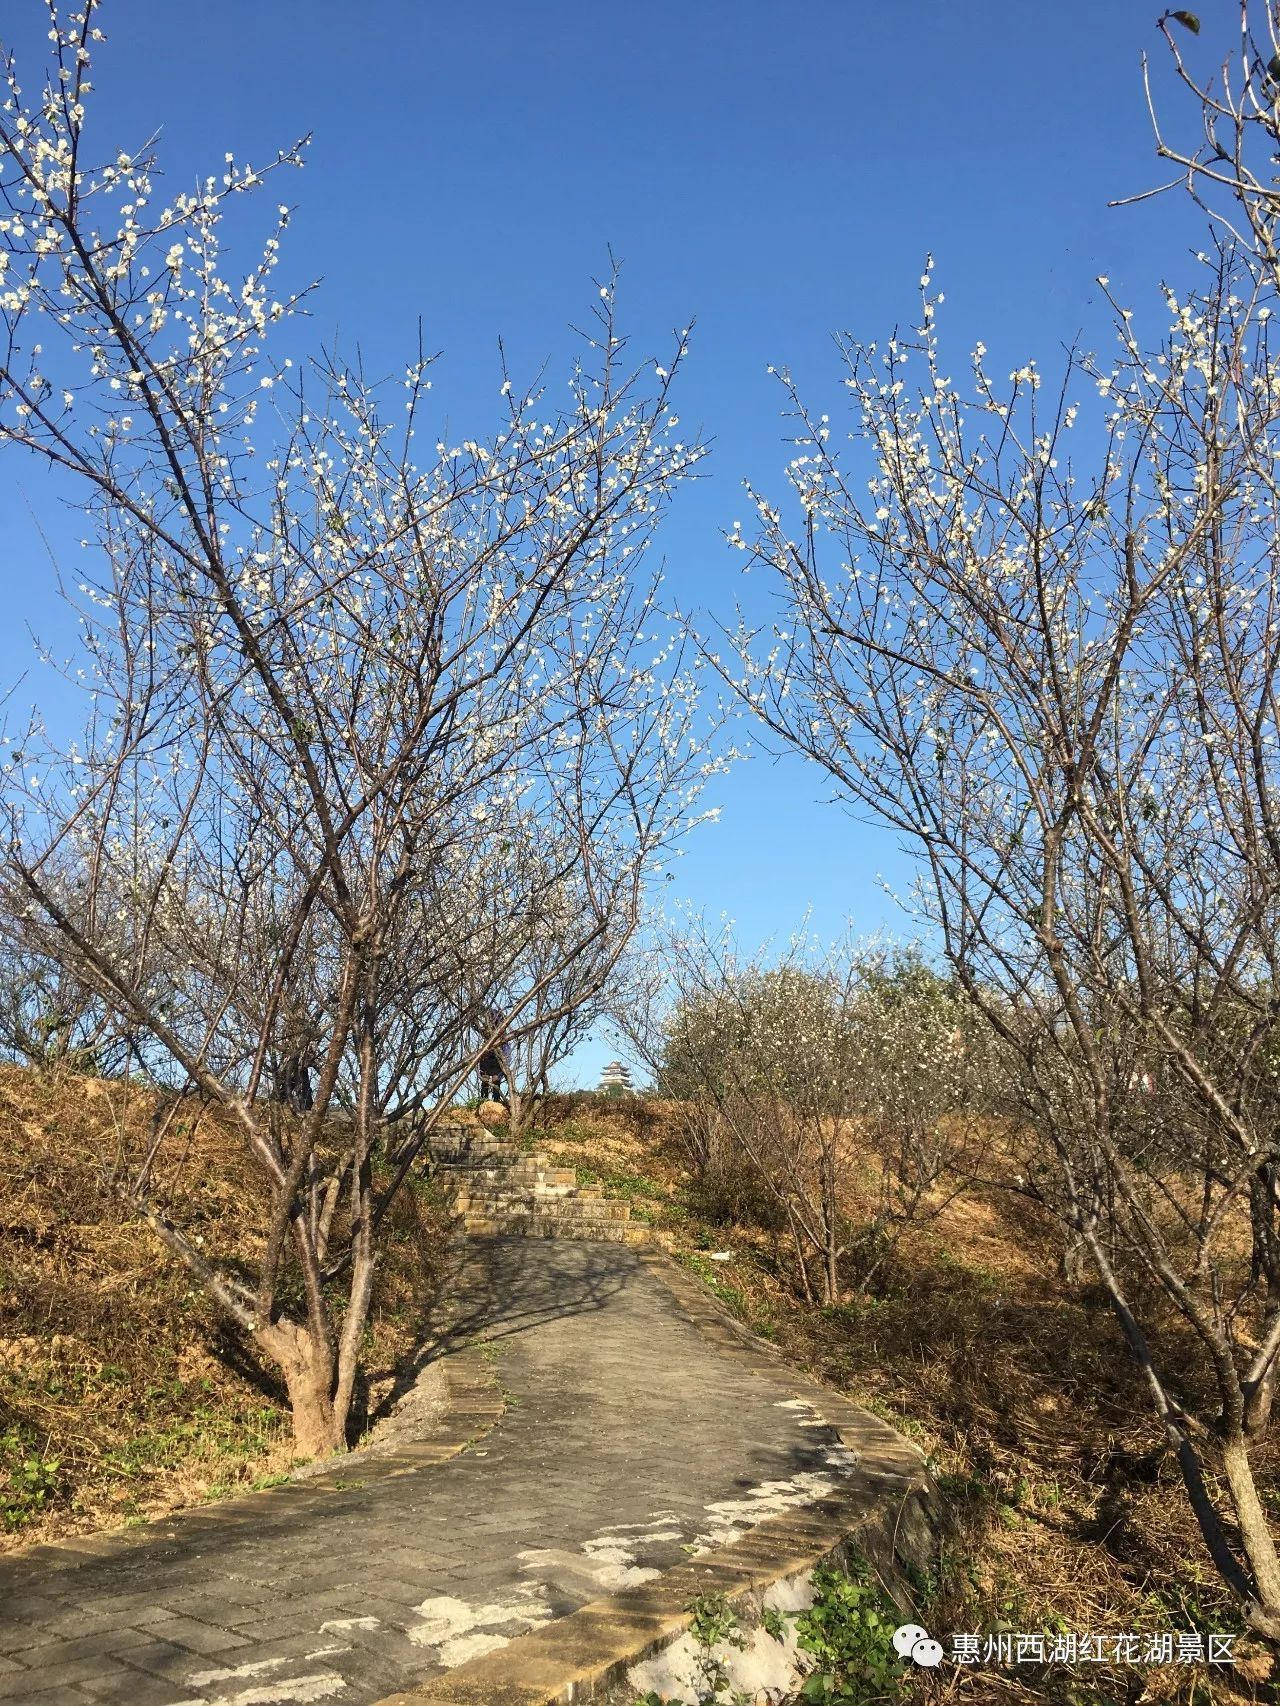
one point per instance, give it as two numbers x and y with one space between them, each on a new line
730 1518
608 1559
612 1561
291 1691
459 1631
207 1678
664 1519
299 1691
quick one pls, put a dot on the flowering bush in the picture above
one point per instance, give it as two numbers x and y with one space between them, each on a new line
815 1081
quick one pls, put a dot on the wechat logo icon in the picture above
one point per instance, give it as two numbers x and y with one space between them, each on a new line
911 1641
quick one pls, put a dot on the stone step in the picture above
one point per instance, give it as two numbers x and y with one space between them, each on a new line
514 1195
505 1155
509 1179
528 1169
476 1156
501 1192
539 1226
505 1193
519 1178
560 1208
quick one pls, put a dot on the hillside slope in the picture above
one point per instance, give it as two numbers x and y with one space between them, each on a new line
123 1393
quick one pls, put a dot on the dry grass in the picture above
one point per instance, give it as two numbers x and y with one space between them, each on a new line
1068 1513
123 1393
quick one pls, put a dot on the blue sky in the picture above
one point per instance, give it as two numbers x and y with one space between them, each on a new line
772 172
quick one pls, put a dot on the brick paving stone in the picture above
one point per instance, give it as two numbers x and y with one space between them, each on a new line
17 1636
67 1621
158 1658
59 1695
29 1608
104 1645
633 1437
273 1611
23 1686
142 1691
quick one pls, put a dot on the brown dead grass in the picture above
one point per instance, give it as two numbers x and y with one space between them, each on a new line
1068 1513
123 1393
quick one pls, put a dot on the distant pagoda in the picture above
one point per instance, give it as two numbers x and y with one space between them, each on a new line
615 1080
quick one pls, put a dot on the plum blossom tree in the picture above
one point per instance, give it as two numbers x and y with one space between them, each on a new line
48 1019
1055 674
336 697
1037 632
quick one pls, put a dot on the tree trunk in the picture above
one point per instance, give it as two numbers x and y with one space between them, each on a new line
1255 1536
1202 1505
802 1267
517 1109
318 1429
1072 1261
830 1231
831 1270
357 1313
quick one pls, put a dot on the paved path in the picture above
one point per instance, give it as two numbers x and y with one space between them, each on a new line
629 1439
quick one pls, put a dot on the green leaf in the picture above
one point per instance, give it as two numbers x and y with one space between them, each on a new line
1188 20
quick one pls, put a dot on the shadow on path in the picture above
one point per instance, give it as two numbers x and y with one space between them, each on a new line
630 1441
